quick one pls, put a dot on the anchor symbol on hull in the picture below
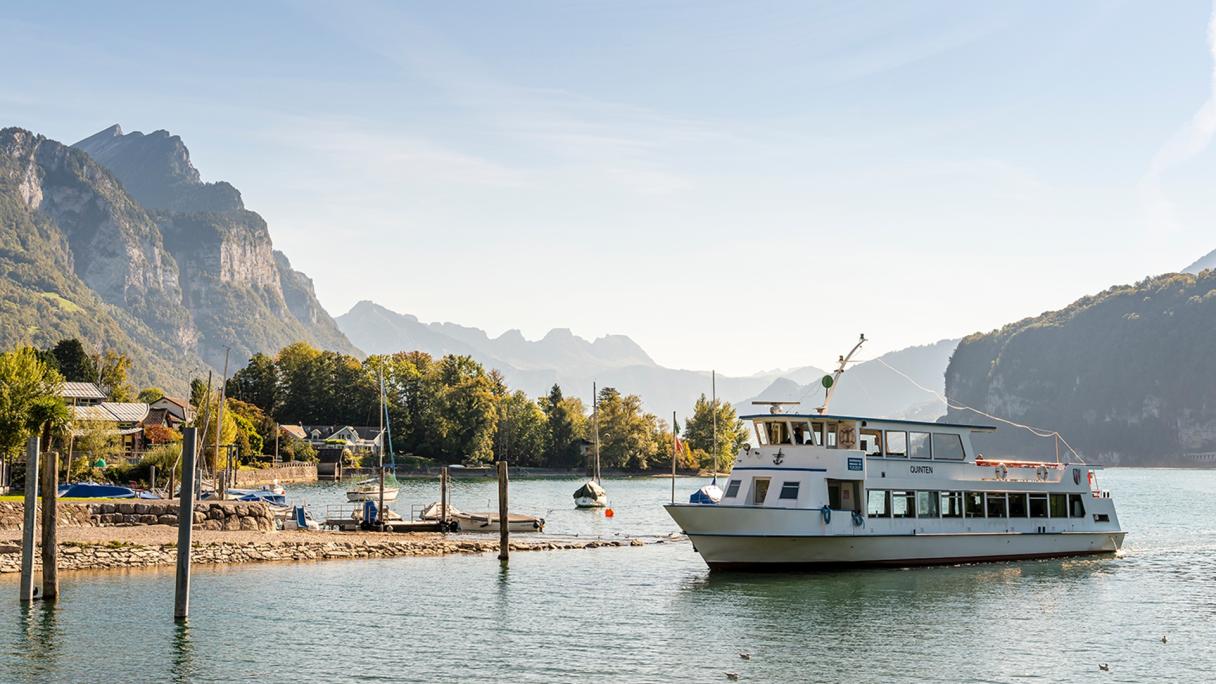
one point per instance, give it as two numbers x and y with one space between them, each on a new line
778 458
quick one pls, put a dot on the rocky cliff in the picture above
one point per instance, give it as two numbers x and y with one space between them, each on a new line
138 254
1127 375
235 287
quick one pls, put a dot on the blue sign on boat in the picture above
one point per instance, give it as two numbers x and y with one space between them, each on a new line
855 464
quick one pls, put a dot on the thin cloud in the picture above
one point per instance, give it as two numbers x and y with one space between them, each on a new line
1192 139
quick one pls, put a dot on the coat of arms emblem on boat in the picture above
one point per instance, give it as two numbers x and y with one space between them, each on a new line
778 457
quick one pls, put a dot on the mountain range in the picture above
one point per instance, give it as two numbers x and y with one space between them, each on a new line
116 240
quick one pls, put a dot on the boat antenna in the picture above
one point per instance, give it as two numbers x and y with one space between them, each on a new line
829 381
713 388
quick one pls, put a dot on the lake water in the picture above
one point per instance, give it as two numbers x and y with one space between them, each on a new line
645 614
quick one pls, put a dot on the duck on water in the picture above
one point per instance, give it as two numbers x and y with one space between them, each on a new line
823 490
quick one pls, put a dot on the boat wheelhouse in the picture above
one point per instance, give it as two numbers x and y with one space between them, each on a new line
823 490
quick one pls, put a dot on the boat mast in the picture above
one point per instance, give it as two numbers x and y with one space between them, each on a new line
595 421
713 389
381 418
830 381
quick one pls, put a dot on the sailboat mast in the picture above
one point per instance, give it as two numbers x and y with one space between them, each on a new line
595 421
713 390
381 373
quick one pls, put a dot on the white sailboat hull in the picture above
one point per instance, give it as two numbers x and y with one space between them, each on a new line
590 502
390 494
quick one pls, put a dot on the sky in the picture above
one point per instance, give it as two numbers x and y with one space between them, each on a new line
739 186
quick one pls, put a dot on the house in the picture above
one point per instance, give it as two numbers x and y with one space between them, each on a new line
295 431
179 408
127 419
81 393
357 439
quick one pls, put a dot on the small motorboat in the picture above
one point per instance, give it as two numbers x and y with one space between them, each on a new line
590 495
369 490
236 494
91 490
488 522
709 494
300 520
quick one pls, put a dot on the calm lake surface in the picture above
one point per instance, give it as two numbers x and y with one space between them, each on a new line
653 613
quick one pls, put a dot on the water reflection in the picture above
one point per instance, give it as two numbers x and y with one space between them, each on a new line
40 640
181 667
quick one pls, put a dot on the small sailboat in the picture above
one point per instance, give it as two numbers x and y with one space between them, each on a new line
592 494
385 487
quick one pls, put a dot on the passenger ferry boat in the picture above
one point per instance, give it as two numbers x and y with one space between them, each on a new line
825 490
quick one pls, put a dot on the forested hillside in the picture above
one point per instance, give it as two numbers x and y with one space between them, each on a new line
1127 375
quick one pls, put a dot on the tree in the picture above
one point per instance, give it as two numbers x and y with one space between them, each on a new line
29 400
257 383
522 430
73 362
198 393
628 436
468 413
253 428
113 375
300 387
95 440
159 434
150 395
699 432
564 429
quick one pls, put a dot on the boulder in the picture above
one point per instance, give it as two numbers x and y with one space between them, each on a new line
249 524
166 519
232 524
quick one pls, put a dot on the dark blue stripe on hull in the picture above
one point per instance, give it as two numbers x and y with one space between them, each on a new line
905 563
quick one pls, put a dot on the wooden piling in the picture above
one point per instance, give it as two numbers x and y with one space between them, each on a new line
185 523
50 520
443 497
504 533
30 520
380 510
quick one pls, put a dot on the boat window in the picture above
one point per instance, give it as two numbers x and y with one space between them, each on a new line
1076 505
761 433
789 490
871 442
927 505
947 446
952 504
1017 505
897 444
1059 505
778 432
974 502
903 504
830 434
918 445
998 505
817 433
759 491
834 495
878 504
1038 505
802 432
732 489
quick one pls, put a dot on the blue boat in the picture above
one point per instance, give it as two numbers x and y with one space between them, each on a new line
89 490
709 494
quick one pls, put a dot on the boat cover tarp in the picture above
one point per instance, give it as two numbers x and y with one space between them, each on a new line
709 494
266 496
88 490
591 490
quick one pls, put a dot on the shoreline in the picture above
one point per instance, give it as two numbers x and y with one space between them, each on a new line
117 548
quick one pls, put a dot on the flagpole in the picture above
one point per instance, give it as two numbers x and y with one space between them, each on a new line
674 452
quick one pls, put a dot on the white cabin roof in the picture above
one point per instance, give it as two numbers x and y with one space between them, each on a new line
864 419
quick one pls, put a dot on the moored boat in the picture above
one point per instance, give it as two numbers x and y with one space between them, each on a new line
369 490
822 490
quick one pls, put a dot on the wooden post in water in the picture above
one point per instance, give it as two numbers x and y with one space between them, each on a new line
30 520
504 534
443 497
50 514
152 478
185 523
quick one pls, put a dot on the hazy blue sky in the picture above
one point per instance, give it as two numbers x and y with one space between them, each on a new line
743 185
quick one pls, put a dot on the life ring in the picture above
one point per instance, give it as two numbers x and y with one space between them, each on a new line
858 519
1001 471
826 512
1041 472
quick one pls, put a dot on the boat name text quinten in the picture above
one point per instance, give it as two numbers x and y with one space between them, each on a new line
920 470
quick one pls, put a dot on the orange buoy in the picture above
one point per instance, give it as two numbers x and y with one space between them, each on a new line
608 513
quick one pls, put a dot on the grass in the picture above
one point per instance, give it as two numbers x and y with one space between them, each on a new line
64 304
21 497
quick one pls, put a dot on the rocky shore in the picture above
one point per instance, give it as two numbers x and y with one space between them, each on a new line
100 548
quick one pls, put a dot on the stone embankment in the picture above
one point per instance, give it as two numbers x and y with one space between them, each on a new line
208 515
91 550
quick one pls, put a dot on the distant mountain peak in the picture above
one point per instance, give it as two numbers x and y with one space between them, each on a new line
1202 264
156 170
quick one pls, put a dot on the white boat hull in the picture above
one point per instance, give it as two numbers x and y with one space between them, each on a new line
390 494
589 502
484 523
800 539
